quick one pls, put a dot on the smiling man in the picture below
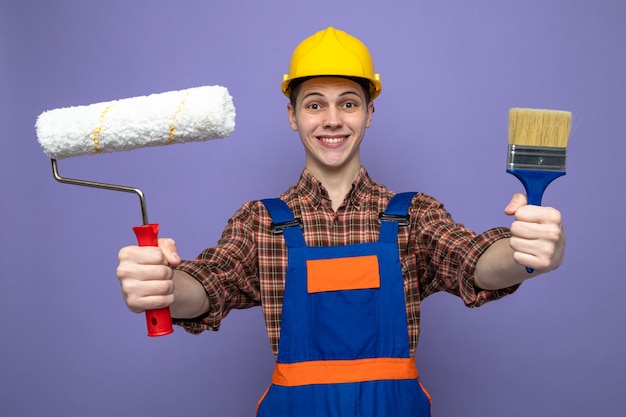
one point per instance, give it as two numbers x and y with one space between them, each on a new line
339 263
331 115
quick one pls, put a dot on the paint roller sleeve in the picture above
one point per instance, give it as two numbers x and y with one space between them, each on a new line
192 115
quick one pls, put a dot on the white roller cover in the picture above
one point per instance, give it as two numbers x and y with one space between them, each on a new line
192 115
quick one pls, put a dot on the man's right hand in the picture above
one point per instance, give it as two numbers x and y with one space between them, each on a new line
145 275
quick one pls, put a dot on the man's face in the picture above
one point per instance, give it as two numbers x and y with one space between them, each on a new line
331 115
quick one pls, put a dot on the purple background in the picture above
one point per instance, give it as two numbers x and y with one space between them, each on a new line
451 70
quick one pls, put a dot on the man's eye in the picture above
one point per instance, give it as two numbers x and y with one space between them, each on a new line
313 106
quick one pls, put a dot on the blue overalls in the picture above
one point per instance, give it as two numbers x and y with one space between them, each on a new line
344 347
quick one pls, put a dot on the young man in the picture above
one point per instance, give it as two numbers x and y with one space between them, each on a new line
340 263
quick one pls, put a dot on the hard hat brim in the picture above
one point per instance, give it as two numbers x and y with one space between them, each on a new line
375 86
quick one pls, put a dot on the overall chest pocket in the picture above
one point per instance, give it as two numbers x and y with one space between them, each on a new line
344 307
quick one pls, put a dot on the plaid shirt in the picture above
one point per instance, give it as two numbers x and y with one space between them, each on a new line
247 267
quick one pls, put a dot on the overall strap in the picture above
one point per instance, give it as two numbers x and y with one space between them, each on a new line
396 214
284 222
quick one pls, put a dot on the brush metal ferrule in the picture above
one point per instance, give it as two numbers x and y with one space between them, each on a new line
537 158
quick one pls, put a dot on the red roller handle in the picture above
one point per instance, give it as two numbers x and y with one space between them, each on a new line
159 321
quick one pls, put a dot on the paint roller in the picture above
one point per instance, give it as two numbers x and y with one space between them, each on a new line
192 115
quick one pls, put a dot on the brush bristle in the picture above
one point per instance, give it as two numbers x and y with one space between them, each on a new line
537 127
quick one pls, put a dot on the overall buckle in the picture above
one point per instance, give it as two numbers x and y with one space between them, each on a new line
402 220
277 228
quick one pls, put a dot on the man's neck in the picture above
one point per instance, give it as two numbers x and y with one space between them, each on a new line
337 183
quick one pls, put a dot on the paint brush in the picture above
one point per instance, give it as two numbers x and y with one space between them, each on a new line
537 149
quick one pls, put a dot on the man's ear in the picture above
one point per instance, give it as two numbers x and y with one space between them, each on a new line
292 117
370 113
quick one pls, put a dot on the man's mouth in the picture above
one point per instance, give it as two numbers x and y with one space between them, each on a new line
333 140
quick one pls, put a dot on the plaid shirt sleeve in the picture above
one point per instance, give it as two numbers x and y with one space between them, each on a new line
447 254
228 272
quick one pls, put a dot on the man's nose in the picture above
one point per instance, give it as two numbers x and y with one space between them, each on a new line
333 117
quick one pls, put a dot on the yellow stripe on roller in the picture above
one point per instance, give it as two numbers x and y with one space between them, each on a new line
96 134
172 128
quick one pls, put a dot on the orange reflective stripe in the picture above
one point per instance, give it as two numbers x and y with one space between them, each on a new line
343 371
258 403
430 399
352 273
